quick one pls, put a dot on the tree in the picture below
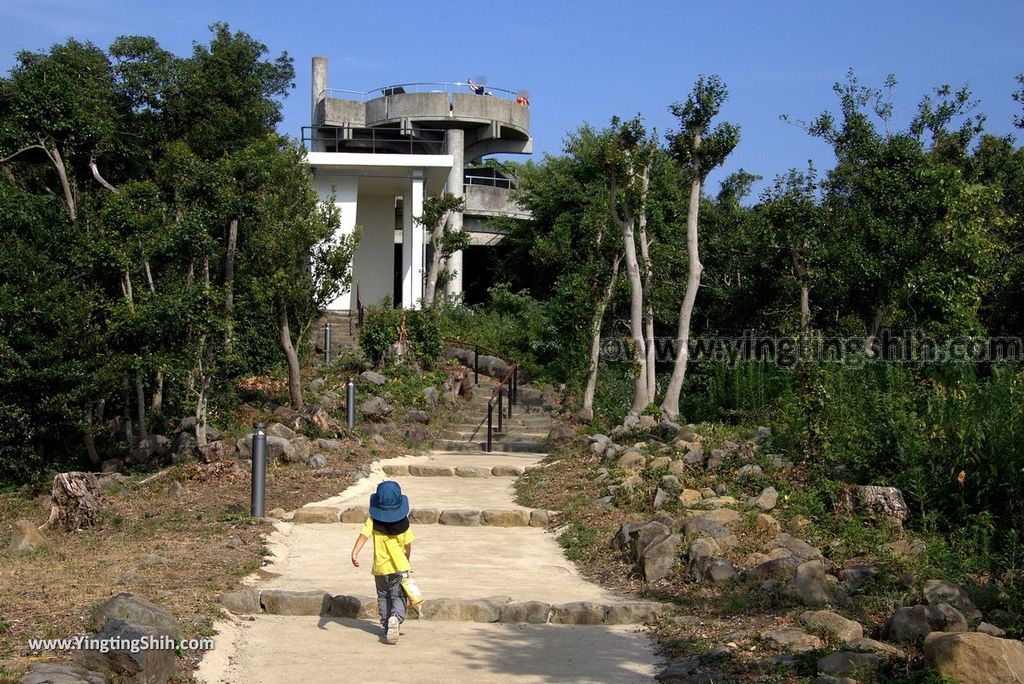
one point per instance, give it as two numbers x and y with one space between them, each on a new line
699 149
435 218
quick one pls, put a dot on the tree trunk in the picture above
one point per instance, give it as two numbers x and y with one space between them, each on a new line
75 501
805 315
595 344
670 405
90 439
129 431
65 184
636 326
157 403
140 403
201 399
436 239
229 280
285 339
876 326
652 383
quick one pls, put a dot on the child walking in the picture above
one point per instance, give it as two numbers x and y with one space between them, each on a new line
388 526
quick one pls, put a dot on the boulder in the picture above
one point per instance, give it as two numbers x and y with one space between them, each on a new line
26 537
61 673
507 471
797 547
704 548
974 658
150 449
793 639
417 416
316 514
578 613
561 435
642 536
430 470
634 613
431 396
278 448
659 558
886 502
470 471
345 606
631 460
677 467
281 602
670 483
460 517
659 463
860 666
694 457
242 602
483 610
720 571
302 448
810 585
845 630
375 408
505 518
539 518
414 433
330 444
991 630
115 658
136 610
749 470
280 430
661 498
317 461
865 644
532 612
690 497
766 500
938 591
423 516
184 447
372 378
647 423
767 525
910 624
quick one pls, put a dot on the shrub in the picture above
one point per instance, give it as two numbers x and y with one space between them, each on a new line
380 331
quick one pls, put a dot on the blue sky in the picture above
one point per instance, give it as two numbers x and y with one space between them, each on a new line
586 61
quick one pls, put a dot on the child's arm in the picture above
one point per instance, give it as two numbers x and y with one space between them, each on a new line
408 551
357 548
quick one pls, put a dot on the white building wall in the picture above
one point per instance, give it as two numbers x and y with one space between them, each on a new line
346 194
374 262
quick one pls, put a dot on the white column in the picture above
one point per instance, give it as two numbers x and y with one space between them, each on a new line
346 195
455 140
412 243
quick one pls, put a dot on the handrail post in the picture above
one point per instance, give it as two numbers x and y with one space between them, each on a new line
515 383
510 402
490 420
327 342
501 392
476 364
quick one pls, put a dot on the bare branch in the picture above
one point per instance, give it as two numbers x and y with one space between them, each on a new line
100 179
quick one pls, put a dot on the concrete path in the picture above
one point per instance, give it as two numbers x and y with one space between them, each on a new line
521 563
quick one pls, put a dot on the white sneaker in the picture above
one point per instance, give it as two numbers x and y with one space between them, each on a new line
391 636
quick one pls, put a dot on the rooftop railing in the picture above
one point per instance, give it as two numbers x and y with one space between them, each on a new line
425 87
375 140
489 181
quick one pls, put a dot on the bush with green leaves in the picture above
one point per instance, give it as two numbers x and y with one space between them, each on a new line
380 332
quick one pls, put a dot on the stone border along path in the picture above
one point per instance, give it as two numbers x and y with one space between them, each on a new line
502 602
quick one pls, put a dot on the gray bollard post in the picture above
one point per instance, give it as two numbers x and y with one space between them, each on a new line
350 404
259 470
327 342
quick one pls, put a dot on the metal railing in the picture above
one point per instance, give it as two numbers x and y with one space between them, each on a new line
490 182
375 140
449 87
508 385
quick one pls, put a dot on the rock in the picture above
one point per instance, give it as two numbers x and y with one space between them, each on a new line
430 470
677 467
355 514
862 666
116 659
539 518
669 429
723 516
234 543
444 609
378 440
938 591
704 547
417 416
470 471
150 449
797 547
643 535
670 483
147 559
372 377
884 501
431 396
507 471
561 435
281 602
460 517
330 444
659 558
61 673
532 612
242 602
798 523
175 489
316 514
865 644
793 639
136 610
991 630
810 585
317 461
505 518
317 416
719 501
659 463
632 613
375 408
766 500
276 513
282 431
302 448
184 447
694 457
974 658
632 460
763 433
424 516
767 525
647 423
26 537
720 571
845 630
855 574
483 610
708 493
911 623
578 613
112 465
661 497
690 497
749 470
278 448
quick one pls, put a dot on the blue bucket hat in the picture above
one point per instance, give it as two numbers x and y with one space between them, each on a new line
388 504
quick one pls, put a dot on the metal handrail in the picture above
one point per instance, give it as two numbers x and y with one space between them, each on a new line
511 380
380 140
489 181
449 87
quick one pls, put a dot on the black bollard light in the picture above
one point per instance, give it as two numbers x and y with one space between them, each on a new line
476 365
350 403
327 342
259 470
490 422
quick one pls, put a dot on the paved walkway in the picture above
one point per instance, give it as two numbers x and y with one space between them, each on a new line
472 562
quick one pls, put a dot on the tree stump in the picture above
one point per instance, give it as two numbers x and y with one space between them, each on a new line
76 501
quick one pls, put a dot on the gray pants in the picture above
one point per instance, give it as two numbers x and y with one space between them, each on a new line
390 597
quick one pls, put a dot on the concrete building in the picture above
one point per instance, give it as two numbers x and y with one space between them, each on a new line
381 153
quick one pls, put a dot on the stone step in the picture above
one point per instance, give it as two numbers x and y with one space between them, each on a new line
531 447
504 436
316 602
457 517
437 470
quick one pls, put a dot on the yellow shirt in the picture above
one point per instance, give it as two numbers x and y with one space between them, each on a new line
388 549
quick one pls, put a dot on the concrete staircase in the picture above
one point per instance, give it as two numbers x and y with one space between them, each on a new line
526 431
344 332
